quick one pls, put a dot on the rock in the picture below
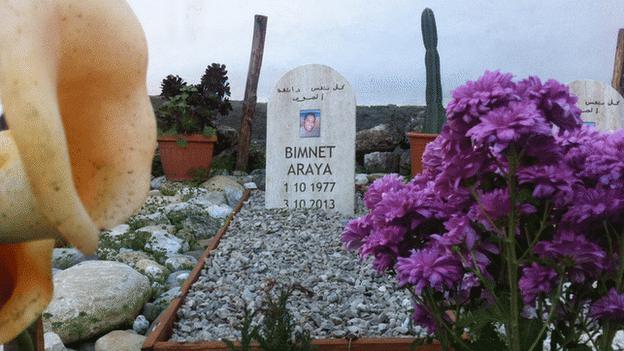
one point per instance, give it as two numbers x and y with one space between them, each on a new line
379 138
140 324
145 220
158 182
63 258
219 211
94 297
178 278
151 311
386 162
208 199
152 270
219 183
180 262
250 186
405 162
195 219
226 138
165 298
161 244
361 179
259 177
53 342
131 257
120 340
233 195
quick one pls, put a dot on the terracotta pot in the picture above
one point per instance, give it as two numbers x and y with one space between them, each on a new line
418 141
182 162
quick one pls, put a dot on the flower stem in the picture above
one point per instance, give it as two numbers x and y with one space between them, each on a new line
512 261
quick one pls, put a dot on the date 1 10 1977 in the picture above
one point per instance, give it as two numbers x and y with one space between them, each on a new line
318 187
311 203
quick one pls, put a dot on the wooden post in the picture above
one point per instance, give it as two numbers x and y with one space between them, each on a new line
618 67
249 104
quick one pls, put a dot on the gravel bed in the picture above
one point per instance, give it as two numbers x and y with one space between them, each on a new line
292 246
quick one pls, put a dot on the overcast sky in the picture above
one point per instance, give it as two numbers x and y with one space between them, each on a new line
377 45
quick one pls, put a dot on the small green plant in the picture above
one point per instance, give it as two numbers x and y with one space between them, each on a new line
277 330
191 109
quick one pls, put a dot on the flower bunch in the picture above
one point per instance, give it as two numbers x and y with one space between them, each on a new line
515 226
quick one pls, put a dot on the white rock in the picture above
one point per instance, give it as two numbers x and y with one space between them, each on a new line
158 182
361 179
208 199
161 242
250 186
53 342
93 297
233 195
63 258
119 230
219 211
120 340
140 325
219 183
180 262
152 270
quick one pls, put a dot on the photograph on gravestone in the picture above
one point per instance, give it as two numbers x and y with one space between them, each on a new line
601 105
311 141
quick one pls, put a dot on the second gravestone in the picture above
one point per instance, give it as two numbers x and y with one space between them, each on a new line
601 105
311 141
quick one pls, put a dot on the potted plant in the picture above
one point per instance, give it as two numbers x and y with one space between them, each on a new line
516 224
187 133
434 117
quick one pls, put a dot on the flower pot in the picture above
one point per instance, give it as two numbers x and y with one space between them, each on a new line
418 142
184 157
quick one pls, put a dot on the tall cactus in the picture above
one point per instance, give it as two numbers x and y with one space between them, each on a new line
435 117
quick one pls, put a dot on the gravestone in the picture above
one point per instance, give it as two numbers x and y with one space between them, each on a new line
601 105
310 158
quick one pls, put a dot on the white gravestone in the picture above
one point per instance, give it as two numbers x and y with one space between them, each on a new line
601 105
310 158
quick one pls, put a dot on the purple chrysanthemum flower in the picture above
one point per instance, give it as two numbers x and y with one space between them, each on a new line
355 233
536 280
609 307
459 232
549 181
505 125
385 184
429 268
606 164
423 318
594 205
554 99
583 258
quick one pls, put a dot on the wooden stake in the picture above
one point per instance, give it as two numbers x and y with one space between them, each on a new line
249 104
618 67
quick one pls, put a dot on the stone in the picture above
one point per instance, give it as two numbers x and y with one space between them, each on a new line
94 297
158 182
258 176
219 211
233 195
405 162
361 179
378 138
63 258
53 342
131 257
311 141
219 183
384 162
178 278
120 340
601 105
140 324
227 137
250 186
161 244
208 199
151 311
165 298
152 270
180 262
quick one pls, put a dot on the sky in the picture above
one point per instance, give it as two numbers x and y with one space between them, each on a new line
377 45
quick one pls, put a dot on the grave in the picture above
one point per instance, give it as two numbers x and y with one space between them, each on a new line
310 159
601 105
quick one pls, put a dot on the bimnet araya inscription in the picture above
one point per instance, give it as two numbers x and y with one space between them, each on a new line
311 141
601 105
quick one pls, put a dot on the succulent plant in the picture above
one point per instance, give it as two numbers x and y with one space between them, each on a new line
435 117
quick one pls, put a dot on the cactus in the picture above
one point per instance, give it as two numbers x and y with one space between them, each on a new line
435 117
